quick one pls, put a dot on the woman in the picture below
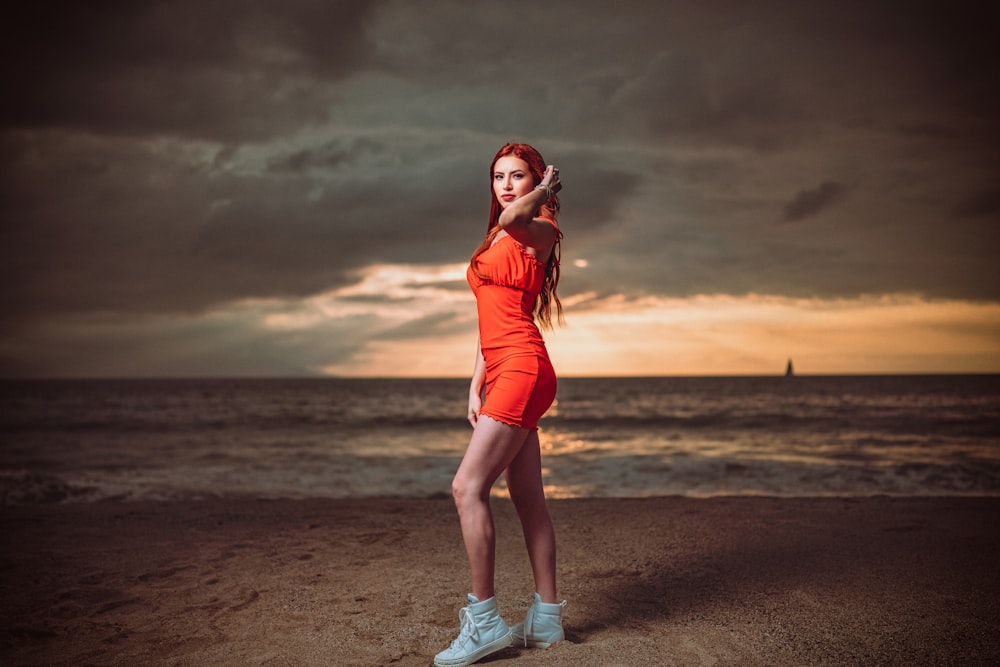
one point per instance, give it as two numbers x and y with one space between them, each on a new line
513 275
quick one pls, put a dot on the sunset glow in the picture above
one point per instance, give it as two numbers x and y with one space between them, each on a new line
701 335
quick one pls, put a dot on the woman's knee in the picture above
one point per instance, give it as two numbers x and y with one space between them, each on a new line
465 491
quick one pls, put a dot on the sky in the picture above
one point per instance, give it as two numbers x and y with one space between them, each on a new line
294 188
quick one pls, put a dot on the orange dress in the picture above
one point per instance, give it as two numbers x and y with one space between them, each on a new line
520 380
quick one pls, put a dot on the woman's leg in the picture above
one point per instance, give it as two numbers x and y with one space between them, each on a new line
492 447
524 482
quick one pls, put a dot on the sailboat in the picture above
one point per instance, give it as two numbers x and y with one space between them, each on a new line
789 370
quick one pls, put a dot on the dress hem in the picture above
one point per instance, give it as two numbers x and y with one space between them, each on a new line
486 413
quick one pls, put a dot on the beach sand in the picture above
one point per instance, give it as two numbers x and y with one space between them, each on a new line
661 581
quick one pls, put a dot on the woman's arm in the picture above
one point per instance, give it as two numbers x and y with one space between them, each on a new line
476 387
518 219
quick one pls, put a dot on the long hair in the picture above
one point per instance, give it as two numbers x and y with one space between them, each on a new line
550 210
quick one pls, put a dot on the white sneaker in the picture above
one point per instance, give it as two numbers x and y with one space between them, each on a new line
542 625
481 633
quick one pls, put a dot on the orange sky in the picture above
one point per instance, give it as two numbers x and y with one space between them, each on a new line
702 335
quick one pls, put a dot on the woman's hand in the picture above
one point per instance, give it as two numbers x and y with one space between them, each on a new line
475 403
550 180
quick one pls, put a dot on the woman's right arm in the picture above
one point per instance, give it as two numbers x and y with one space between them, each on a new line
518 219
476 387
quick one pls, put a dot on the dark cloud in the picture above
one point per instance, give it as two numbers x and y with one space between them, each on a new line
765 78
807 203
109 346
684 95
148 229
330 155
223 70
163 228
169 159
981 204
436 325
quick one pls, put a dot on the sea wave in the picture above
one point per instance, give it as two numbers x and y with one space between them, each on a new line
170 440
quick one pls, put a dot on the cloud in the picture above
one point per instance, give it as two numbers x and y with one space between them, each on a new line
224 343
221 70
330 155
982 204
324 333
808 203
167 160
102 225
175 226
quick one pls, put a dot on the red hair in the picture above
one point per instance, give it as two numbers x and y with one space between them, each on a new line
549 210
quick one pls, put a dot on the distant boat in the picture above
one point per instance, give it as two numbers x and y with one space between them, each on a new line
789 371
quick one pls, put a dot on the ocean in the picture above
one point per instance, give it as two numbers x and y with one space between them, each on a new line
88 441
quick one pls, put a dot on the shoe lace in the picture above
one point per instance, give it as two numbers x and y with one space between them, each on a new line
529 623
467 629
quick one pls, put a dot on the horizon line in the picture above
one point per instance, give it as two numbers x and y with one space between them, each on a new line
568 376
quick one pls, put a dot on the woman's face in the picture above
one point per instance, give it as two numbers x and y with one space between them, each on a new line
511 179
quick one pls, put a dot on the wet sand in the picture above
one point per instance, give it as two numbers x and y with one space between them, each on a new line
661 581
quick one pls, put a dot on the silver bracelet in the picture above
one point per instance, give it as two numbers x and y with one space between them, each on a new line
548 192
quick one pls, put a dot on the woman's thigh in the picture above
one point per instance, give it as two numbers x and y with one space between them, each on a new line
491 449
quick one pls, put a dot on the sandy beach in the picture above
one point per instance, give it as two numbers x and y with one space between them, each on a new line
660 581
